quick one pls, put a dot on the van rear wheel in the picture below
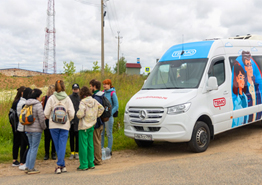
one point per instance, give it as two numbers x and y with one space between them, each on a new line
200 137
143 143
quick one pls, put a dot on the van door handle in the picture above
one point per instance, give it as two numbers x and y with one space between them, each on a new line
225 92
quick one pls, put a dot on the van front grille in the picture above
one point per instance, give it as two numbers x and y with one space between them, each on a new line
145 115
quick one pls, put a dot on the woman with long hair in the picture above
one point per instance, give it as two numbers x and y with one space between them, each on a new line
21 129
110 94
16 134
34 130
59 128
239 89
48 138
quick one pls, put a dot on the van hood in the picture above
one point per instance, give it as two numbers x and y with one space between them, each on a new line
161 98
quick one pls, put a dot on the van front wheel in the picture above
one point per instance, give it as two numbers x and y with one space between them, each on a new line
200 138
143 143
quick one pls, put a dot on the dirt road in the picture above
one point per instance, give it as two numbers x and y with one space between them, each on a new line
233 157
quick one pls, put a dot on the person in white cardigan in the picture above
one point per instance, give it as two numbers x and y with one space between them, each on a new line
59 132
24 140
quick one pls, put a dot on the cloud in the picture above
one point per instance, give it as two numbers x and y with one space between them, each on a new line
148 28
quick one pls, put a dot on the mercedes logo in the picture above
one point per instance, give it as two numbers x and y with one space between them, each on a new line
142 114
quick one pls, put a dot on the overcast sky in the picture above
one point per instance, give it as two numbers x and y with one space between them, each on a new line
148 28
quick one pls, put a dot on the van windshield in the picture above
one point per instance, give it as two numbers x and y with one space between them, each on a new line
177 74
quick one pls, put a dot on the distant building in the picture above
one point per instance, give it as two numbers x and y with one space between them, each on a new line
19 72
133 68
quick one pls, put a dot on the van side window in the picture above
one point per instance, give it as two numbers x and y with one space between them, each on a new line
218 70
231 61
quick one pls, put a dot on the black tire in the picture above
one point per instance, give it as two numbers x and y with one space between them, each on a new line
143 143
200 137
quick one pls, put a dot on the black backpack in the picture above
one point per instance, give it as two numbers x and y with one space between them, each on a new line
13 118
108 109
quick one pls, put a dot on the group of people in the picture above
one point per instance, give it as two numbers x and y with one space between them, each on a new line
60 115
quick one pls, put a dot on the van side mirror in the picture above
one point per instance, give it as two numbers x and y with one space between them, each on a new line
212 83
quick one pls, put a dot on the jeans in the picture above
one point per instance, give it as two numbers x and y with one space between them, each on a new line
34 140
59 137
109 132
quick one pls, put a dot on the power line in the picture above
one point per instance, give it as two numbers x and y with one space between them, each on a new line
113 17
88 3
108 15
115 14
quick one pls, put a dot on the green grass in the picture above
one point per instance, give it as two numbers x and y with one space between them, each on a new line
126 87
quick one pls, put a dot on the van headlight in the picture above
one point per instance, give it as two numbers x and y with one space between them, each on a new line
178 108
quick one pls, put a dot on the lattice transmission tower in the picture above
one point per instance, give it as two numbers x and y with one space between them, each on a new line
49 62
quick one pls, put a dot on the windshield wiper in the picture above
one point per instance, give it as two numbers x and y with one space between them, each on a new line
149 88
172 88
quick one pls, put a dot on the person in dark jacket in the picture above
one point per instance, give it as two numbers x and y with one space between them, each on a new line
95 86
73 132
16 134
48 138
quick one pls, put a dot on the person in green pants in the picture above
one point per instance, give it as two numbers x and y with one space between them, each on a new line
89 111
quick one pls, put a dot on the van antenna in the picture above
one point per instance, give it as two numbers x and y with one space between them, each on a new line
182 45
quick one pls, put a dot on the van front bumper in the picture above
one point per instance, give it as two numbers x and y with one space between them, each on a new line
174 128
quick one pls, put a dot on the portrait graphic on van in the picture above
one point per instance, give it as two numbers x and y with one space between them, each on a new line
245 87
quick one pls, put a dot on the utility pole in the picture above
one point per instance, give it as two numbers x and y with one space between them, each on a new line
102 37
118 38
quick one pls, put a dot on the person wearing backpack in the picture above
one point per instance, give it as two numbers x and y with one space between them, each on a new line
95 86
89 111
14 123
73 132
47 133
60 111
34 130
21 128
110 94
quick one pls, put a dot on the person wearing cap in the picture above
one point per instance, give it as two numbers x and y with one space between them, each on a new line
253 93
73 132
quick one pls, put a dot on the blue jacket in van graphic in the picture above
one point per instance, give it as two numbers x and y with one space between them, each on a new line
239 90
251 90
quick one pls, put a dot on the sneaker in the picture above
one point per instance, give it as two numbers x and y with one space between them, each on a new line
76 156
79 169
33 171
58 170
16 163
22 167
26 170
63 170
71 156
53 156
46 157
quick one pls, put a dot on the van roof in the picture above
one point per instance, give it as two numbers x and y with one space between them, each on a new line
201 49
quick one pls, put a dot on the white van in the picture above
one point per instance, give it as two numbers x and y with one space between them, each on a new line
198 90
